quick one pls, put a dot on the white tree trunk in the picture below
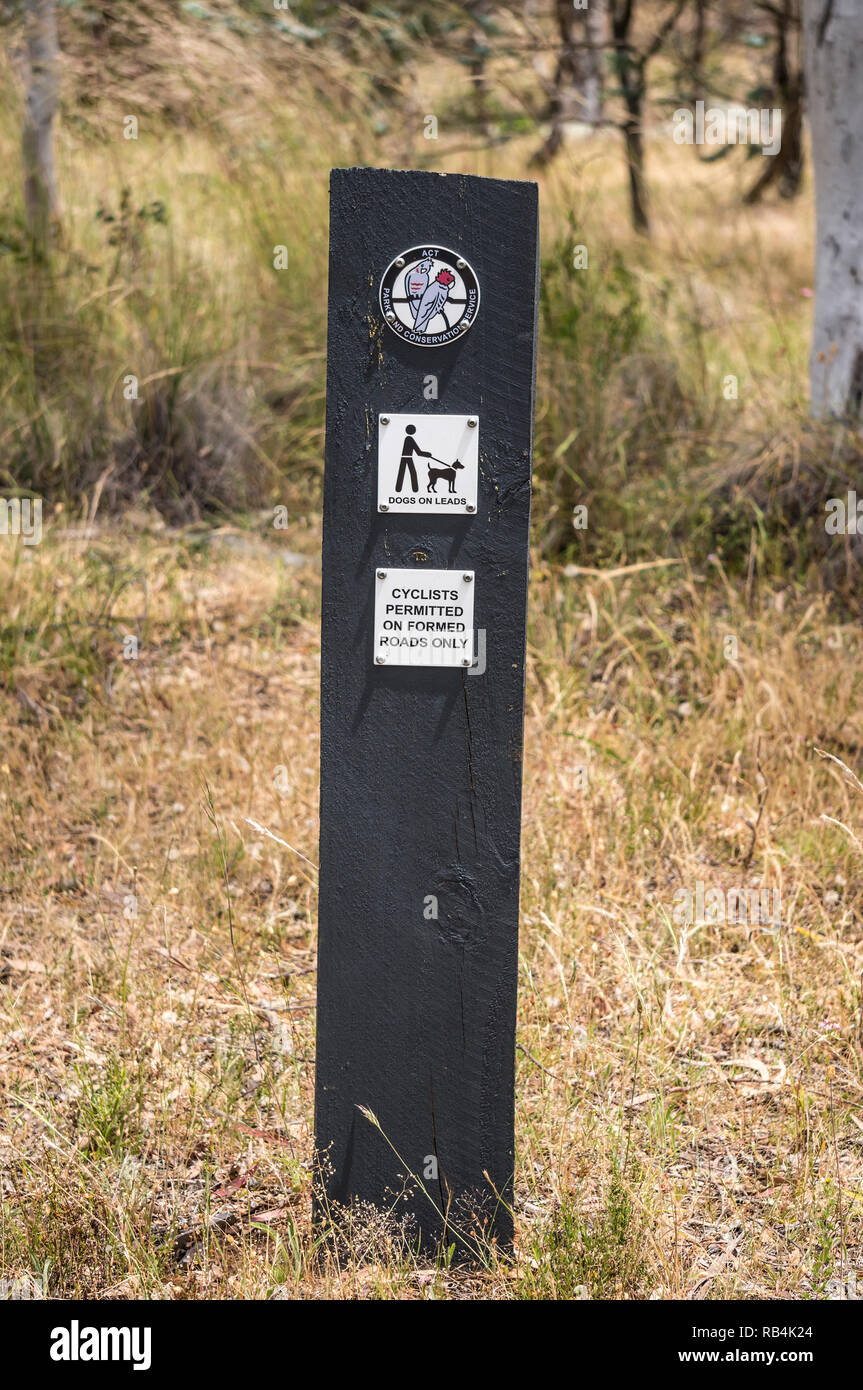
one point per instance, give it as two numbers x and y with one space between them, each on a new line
833 64
40 182
596 33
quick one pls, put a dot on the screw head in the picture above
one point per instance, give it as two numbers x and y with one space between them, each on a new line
470 507
382 574
467 578
460 264
400 260
472 424
383 507
385 419
465 661
391 313
463 327
380 660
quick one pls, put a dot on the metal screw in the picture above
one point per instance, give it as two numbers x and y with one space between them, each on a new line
470 508
391 314
385 419
400 260
460 264
381 660
467 578
463 327
465 661
472 424
383 507
382 574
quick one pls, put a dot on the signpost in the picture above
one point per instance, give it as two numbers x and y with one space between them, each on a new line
404 441
426 511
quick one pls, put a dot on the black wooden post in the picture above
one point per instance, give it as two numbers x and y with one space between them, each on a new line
421 763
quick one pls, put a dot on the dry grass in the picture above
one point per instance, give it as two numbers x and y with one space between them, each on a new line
690 1099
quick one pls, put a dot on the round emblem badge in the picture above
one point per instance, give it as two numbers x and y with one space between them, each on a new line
429 296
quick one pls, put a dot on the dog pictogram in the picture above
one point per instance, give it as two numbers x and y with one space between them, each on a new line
447 472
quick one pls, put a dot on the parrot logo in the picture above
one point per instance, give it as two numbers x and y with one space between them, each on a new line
433 300
429 296
416 283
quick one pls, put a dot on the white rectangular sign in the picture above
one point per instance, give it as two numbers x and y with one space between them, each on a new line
428 463
423 617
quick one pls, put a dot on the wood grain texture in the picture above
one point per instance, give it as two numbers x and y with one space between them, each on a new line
421 767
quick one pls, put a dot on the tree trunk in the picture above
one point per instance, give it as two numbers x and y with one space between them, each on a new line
638 194
479 11
699 38
785 168
40 182
595 32
833 63
577 86
631 69
562 102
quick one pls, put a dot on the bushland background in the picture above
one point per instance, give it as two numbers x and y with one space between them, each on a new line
689 1093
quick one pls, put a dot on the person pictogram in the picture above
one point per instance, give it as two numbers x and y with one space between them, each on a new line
409 448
